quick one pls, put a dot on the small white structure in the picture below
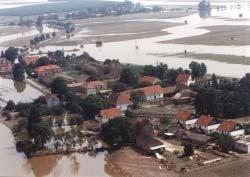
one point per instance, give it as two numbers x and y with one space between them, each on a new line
243 145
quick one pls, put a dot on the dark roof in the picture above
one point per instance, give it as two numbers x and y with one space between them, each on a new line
197 138
146 142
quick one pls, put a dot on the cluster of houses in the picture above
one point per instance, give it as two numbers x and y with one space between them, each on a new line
201 126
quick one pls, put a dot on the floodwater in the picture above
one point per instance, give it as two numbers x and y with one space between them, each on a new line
151 51
13 163
16 91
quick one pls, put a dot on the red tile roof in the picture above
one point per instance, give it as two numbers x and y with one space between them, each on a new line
169 90
227 126
30 59
152 90
122 98
42 69
110 113
92 84
204 120
183 115
182 78
150 79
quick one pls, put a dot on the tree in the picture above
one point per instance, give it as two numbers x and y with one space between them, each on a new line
92 104
214 81
245 81
59 54
58 86
41 133
225 142
10 106
116 131
18 72
119 87
197 69
137 97
75 107
34 117
149 70
11 54
43 61
188 150
171 76
128 76
161 70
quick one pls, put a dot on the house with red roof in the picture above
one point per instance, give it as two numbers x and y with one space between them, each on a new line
48 70
186 119
169 91
150 79
107 114
31 59
152 93
93 87
5 67
231 128
207 124
184 79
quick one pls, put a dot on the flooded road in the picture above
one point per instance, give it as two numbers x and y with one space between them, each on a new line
15 164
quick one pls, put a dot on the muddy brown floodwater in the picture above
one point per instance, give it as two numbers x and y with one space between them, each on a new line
15 164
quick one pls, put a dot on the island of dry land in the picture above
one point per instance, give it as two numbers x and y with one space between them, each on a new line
225 35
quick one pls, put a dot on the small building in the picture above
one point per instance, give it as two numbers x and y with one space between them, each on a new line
52 100
93 87
107 114
206 124
152 93
185 96
198 139
31 59
184 79
47 70
5 67
243 145
186 119
149 144
150 79
231 128
121 100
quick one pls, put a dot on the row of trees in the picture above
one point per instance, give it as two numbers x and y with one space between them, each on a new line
226 99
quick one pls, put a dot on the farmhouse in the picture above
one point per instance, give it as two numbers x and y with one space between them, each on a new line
186 119
231 128
206 124
198 139
152 93
48 70
93 87
107 114
150 79
184 79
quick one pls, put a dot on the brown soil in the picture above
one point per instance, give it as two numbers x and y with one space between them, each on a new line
127 162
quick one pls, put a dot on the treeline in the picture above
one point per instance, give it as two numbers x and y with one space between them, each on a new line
225 98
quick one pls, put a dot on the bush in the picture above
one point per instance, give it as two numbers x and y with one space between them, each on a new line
188 150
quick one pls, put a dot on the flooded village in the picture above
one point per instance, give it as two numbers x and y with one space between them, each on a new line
125 88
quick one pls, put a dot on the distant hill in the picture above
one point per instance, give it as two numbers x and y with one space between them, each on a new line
58 6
